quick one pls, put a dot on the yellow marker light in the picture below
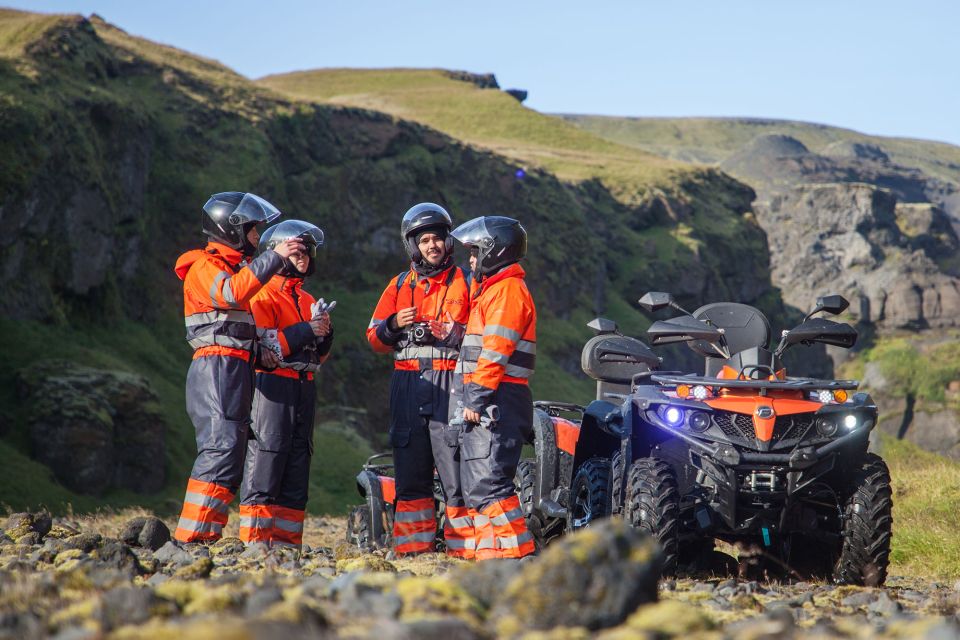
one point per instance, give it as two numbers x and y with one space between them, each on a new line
683 391
840 395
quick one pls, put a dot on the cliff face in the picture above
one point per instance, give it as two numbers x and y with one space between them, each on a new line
110 144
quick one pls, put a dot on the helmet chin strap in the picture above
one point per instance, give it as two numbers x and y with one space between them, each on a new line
426 269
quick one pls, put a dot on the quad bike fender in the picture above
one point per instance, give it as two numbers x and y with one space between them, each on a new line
548 458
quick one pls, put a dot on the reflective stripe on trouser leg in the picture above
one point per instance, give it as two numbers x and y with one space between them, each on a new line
287 527
510 537
204 512
256 523
458 532
414 526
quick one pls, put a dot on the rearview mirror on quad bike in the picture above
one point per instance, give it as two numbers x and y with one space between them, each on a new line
834 304
656 300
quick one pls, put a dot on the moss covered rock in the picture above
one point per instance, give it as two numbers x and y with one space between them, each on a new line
594 579
669 618
365 563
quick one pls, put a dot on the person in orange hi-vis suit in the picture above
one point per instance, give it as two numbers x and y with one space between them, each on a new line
493 405
218 284
273 497
420 320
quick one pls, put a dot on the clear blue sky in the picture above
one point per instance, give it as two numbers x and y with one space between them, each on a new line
888 68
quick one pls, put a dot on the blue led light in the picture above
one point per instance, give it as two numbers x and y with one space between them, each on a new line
673 416
519 174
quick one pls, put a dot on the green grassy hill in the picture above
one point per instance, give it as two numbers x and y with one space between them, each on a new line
712 140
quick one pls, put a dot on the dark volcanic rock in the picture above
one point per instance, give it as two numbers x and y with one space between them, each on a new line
518 94
94 428
149 533
594 578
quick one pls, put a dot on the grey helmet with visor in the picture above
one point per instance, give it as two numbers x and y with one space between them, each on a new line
499 241
310 234
228 217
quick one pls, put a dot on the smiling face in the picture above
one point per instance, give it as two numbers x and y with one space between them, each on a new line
432 248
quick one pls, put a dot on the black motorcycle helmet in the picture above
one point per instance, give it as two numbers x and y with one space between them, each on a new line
499 241
228 217
419 219
310 234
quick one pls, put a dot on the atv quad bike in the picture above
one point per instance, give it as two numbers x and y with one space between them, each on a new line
568 485
748 455
370 525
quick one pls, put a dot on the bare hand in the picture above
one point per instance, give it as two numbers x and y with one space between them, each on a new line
289 247
441 330
406 316
469 415
321 326
268 359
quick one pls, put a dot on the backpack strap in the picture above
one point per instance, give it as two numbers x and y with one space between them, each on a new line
402 278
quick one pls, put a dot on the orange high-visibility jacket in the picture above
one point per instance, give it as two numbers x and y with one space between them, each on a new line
216 298
283 305
434 298
500 344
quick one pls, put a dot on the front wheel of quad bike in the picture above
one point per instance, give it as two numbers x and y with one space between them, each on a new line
653 505
589 494
524 480
866 528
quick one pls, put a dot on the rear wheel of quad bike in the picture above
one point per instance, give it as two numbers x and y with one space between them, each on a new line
867 522
653 505
358 528
524 480
589 494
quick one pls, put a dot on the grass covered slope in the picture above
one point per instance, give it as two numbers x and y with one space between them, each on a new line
711 140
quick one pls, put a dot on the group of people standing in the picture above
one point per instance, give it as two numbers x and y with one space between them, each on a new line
464 347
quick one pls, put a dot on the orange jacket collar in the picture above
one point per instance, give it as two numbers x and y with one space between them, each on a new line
513 271
186 260
436 278
285 283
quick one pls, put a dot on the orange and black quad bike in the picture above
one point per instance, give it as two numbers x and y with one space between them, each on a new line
370 525
744 453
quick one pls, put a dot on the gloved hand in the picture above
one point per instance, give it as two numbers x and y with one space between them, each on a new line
320 307
271 341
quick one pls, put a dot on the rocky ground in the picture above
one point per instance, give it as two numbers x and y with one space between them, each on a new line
119 576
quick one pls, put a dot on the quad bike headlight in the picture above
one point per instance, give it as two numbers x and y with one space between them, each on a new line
826 426
700 392
699 421
824 396
850 422
672 415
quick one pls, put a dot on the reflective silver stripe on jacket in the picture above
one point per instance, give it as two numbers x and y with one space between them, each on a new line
472 340
514 371
494 356
210 317
500 330
374 323
222 341
199 527
527 347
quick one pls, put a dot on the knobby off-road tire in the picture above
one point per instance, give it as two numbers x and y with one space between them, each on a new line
867 523
524 479
653 505
358 528
589 494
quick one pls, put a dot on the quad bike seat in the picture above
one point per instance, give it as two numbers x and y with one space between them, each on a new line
744 328
613 359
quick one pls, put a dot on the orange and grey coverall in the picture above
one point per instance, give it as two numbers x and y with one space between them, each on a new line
220 327
497 358
277 471
419 398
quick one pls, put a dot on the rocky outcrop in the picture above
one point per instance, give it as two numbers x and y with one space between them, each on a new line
846 238
482 80
518 94
94 428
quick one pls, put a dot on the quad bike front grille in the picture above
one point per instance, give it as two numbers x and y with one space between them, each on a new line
735 425
792 427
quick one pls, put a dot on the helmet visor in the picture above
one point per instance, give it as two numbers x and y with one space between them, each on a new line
310 234
473 233
254 209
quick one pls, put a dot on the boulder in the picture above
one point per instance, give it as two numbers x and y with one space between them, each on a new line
94 428
147 532
518 94
594 578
